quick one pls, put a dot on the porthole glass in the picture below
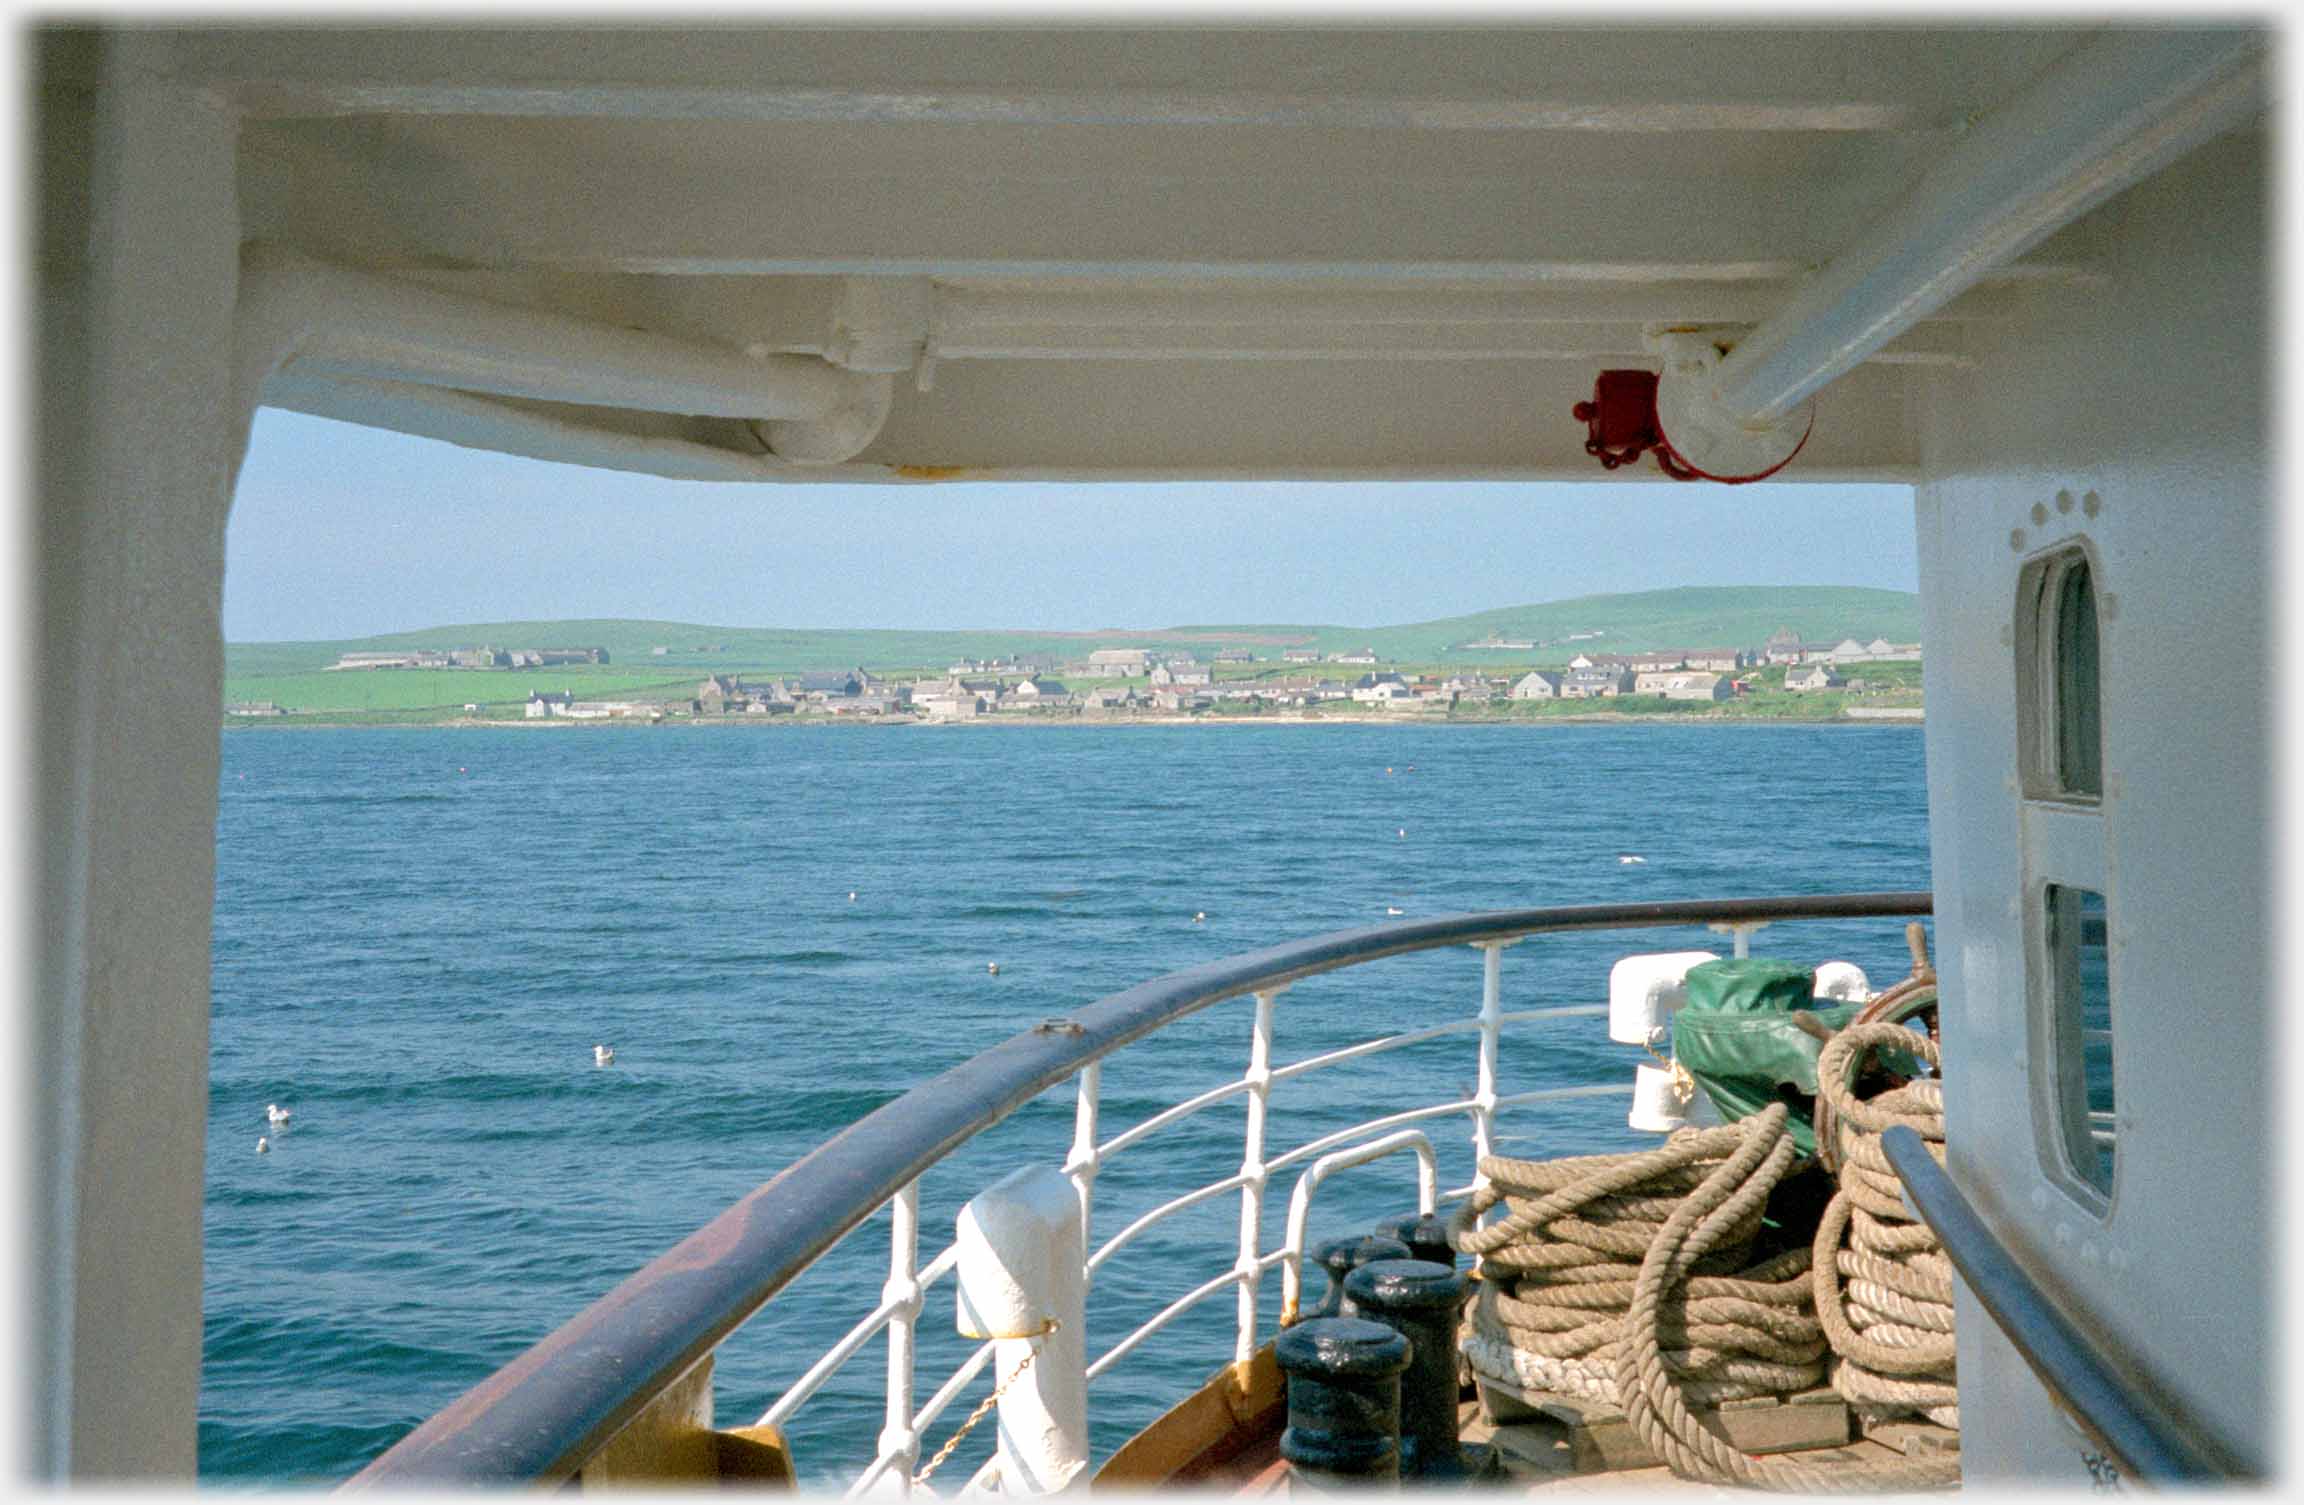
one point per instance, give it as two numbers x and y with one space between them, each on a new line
2059 663
2080 999
2079 706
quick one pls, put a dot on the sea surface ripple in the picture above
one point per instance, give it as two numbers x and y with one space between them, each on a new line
421 934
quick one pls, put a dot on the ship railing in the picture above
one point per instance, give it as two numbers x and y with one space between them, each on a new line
616 1394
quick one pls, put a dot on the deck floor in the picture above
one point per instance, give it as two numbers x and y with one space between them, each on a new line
1536 1460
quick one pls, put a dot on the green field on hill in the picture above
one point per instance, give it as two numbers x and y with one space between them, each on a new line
446 690
1690 617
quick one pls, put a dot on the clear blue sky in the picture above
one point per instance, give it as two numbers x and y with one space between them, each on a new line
341 531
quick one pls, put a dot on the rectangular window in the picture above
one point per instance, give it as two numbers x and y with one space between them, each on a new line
2060 717
2080 1000
2079 706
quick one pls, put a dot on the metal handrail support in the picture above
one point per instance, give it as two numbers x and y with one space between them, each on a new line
2139 1428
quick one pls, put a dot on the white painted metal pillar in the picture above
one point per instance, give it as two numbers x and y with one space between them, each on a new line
1491 1031
1081 1164
138 446
1023 1281
1253 1173
899 1438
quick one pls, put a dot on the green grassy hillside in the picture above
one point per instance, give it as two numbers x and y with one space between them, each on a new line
1738 616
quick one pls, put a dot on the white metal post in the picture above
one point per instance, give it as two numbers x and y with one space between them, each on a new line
899 1439
137 441
1023 1281
1491 1027
1081 1164
1252 1173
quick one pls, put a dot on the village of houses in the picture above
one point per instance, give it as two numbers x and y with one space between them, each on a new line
1142 682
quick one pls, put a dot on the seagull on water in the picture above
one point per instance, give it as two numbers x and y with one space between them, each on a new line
993 968
1393 909
276 1115
1199 915
1628 858
263 1145
602 1055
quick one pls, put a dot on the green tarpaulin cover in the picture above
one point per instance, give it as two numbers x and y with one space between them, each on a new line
1736 1037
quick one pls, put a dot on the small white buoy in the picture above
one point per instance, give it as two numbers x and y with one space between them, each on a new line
1403 833
1628 859
263 1145
993 968
602 1055
851 896
276 1115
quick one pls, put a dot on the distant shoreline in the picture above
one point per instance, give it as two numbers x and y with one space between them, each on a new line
466 723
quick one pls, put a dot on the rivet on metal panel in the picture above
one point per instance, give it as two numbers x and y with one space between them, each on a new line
2039 513
2016 539
2091 503
2063 501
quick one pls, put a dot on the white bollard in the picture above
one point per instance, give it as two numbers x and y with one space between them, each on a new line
1022 1267
1644 992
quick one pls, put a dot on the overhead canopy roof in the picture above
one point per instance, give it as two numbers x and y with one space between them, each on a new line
1147 253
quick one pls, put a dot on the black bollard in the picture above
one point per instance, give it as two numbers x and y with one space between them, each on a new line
1340 1257
1425 1234
1420 1300
1343 1402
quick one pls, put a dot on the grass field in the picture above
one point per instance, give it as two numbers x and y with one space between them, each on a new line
1682 618
446 689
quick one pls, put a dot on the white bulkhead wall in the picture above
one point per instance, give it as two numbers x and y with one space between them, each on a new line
2148 410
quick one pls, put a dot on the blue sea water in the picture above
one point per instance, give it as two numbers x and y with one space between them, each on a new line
422 933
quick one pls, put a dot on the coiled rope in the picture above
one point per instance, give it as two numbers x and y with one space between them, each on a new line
1883 1283
1609 1280
1561 1267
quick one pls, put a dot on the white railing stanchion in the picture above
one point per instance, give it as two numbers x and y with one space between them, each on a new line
1742 932
1081 1164
1300 1202
1023 1282
899 1439
1491 1030
1252 1172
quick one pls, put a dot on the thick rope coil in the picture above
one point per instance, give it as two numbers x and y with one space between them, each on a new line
1883 1285
1562 1264
1655 1404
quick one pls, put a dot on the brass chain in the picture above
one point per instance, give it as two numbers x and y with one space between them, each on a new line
983 1407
